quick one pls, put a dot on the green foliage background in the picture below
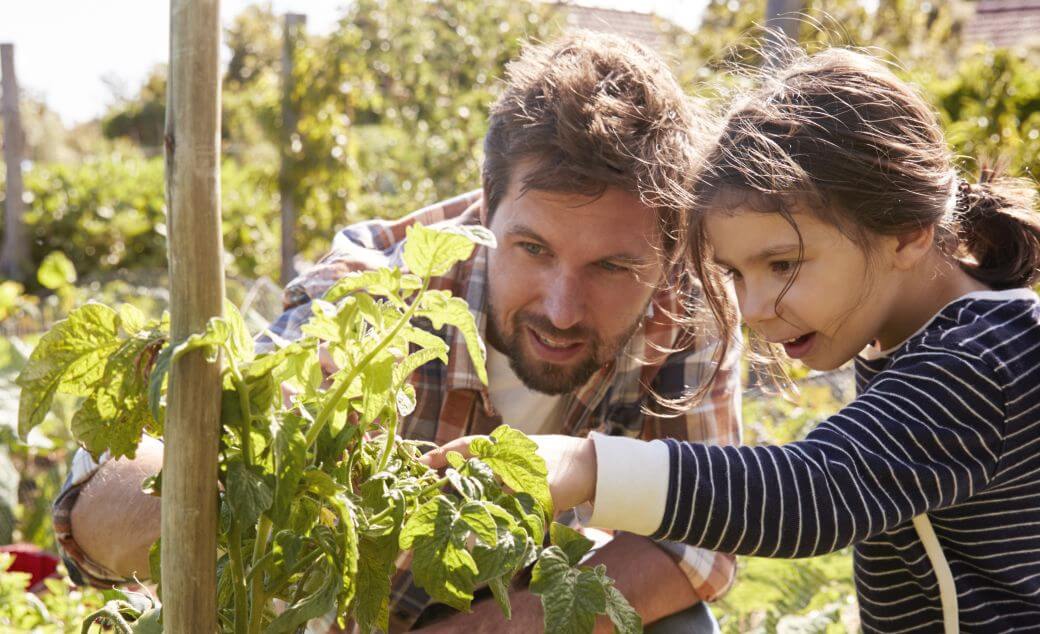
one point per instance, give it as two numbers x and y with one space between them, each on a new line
392 110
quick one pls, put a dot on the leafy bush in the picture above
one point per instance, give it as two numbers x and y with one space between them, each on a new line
108 215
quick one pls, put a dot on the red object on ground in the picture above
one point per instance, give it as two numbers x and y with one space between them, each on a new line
30 559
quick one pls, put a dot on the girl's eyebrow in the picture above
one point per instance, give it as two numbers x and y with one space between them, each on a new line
766 253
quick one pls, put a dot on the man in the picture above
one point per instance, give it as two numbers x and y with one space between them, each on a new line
589 146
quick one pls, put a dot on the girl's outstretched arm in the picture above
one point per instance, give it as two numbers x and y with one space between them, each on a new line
926 434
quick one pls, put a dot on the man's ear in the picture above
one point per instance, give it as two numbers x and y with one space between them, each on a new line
911 246
484 220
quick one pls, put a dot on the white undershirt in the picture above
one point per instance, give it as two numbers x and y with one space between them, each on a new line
521 407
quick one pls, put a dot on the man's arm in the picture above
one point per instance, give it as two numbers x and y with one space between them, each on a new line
113 522
640 570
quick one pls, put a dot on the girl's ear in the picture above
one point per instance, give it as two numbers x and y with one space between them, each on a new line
910 248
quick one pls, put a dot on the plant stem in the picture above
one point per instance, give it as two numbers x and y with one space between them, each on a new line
434 487
247 408
241 591
330 404
256 607
388 446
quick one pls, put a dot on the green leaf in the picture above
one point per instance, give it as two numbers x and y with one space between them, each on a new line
385 282
70 358
431 252
377 378
512 456
157 384
240 341
571 542
155 561
625 619
247 493
500 590
476 516
441 308
571 598
528 511
150 622
320 598
116 412
216 334
508 554
441 565
56 271
290 451
131 319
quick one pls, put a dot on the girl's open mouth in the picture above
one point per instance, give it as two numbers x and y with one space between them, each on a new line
799 346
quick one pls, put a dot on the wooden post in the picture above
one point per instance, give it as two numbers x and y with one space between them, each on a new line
290 117
189 477
14 256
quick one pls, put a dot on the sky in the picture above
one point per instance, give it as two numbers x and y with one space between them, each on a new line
71 53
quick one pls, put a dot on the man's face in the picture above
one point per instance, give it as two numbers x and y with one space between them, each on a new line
569 282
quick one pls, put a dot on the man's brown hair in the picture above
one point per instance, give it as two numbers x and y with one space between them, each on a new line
593 111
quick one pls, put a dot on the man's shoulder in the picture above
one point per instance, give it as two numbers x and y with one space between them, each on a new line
376 243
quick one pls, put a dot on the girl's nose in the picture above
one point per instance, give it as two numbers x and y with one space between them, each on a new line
757 306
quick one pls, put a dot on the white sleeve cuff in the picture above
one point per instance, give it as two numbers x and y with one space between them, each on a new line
631 484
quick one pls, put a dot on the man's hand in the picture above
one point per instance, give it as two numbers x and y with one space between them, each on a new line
113 521
571 463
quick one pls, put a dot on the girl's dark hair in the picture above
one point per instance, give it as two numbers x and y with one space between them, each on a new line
839 135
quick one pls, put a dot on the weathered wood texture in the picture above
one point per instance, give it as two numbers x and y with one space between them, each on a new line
294 22
189 486
14 256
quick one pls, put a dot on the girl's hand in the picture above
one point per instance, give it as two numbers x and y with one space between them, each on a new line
571 463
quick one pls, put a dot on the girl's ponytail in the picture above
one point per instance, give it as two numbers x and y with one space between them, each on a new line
1000 230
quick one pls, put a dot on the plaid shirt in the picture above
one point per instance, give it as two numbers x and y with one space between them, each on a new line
452 402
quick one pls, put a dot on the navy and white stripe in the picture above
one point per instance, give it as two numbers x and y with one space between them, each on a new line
948 425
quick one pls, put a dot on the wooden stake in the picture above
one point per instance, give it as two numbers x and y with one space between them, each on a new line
14 256
290 117
189 476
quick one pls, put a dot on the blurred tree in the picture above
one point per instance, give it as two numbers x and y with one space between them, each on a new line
990 109
142 117
394 105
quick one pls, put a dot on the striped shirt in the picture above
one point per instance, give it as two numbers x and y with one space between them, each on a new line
948 425
452 402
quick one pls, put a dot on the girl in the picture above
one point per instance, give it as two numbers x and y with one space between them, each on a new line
830 208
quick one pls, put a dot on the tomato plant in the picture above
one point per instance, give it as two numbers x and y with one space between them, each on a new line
319 495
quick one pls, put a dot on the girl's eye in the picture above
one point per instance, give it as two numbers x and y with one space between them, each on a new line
782 267
731 274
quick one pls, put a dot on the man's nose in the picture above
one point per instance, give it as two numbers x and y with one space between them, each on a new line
564 301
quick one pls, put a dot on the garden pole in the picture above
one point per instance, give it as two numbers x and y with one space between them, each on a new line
189 475
294 22
14 255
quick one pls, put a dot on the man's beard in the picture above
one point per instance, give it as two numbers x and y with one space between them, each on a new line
543 376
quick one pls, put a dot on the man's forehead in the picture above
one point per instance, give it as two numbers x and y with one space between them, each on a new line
613 220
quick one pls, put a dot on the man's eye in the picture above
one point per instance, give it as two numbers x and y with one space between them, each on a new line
782 267
532 248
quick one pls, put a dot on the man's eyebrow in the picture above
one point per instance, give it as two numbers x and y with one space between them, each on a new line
520 229
623 258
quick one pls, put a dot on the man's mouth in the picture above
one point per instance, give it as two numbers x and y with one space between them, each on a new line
798 347
552 349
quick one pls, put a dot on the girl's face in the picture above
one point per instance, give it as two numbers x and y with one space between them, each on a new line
835 305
